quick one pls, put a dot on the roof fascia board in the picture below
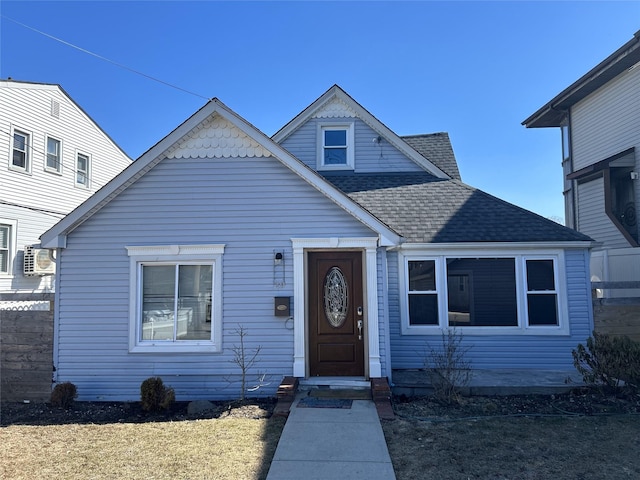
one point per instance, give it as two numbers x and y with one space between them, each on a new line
379 127
53 237
616 63
496 246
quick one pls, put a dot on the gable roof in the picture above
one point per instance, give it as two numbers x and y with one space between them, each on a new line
10 83
171 145
336 92
426 209
436 147
552 114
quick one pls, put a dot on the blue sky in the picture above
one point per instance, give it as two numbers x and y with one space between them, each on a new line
473 69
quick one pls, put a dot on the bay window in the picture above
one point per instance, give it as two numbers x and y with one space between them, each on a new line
492 294
423 294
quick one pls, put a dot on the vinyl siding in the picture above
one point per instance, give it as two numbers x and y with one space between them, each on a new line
545 352
606 122
369 156
592 219
383 313
252 205
27 107
602 125
30 224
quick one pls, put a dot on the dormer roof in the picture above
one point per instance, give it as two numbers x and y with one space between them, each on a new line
336 94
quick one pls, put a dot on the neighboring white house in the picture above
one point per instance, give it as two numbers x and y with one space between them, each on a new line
340 247
599 116
53 157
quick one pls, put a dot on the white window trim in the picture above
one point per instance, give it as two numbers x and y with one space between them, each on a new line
47 168
86 186
13 225
523 328
301 246
139 255
29 152
349 127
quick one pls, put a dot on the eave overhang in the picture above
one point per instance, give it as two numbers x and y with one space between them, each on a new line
554 112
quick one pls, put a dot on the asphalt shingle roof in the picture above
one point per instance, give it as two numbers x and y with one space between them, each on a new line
426 209
436 147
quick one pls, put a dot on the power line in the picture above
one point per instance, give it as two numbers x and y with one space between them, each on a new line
83 50
35 209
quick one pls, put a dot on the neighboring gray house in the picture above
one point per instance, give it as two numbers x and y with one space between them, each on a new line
54 157
599 116
339 246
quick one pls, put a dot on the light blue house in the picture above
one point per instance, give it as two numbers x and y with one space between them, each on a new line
338 246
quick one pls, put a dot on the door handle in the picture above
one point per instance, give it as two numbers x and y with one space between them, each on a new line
359 329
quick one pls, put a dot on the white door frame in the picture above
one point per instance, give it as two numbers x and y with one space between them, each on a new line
373 367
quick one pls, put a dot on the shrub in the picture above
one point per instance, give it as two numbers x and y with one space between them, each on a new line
63 395
608 361
447 367
155 396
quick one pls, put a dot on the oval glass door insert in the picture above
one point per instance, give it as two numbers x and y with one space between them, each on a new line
336 297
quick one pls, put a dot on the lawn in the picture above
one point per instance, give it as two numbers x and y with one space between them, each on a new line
516 447
216 448
571 437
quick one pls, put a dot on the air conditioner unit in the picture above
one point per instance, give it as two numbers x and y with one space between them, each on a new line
38 261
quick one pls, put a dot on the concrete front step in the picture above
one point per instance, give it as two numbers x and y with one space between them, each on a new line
376 389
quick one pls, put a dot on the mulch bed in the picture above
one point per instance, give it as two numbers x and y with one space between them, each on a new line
577 402
125 412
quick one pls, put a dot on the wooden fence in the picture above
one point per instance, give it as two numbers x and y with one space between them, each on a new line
26 347
617 315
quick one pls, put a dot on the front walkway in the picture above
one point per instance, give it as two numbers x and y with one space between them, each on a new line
328 443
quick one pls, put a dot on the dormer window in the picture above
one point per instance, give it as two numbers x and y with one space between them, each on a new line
336 147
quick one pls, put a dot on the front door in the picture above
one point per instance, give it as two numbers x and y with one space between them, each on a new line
336 317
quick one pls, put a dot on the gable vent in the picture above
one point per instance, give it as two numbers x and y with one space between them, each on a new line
55 108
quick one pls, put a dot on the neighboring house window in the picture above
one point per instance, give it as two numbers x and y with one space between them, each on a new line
54 155
176 298
83 165
336 147
566 145
7 245
483 294
620 200
20 156
619 177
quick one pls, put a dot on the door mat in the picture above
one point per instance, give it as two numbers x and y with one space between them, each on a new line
314 402
349 393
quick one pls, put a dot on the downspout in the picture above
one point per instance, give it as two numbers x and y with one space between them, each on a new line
574 183
385 304
56 317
